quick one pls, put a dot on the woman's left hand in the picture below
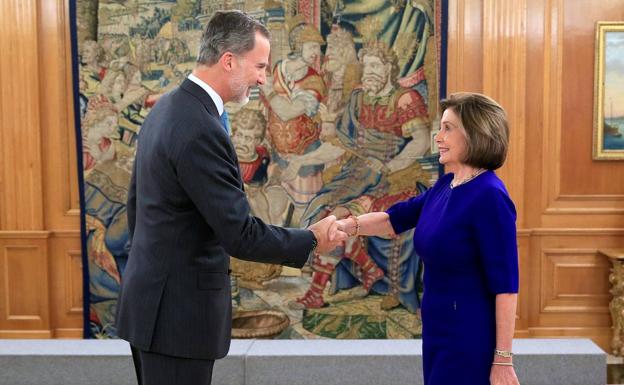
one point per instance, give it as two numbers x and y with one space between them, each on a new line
503 375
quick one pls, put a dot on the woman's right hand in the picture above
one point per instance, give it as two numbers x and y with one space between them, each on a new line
346 225
503 375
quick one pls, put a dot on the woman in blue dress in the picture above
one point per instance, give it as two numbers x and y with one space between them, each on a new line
465 233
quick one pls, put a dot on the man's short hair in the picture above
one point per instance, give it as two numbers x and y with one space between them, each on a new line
487 130
229 31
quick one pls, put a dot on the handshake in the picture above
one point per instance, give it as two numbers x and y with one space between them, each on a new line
329 233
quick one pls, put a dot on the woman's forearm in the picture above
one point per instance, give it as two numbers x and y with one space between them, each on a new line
376 223
505 321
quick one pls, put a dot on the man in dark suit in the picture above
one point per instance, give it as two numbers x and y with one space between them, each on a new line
187 213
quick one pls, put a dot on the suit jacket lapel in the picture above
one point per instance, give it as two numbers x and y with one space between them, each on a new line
202 95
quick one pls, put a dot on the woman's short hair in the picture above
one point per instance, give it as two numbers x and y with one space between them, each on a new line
485 122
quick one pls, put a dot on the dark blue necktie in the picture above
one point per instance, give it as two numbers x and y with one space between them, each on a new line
224 122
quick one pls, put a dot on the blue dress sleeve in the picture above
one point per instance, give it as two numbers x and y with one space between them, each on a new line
404 215
495 229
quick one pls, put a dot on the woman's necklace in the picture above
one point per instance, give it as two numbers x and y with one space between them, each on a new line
468 178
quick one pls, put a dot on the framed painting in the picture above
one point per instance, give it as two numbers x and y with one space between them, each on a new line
609 92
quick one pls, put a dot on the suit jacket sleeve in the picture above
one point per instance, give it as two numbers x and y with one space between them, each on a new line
208 172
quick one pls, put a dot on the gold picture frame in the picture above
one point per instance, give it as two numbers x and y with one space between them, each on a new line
609 91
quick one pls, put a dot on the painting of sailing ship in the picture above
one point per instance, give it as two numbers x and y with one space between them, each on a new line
613 128
609 92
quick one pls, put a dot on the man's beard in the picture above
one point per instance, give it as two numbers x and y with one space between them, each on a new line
243 100
373 83
239 89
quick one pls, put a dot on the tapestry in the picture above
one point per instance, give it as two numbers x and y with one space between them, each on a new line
343 125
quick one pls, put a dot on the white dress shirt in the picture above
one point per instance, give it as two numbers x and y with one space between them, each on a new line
212 93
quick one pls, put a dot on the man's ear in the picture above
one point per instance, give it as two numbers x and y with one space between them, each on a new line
227 61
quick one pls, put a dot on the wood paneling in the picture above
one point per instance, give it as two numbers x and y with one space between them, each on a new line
577 87
24 302
522 312
465 72
504 33
60 188
574 184
20 191
39 179
565 287
66 284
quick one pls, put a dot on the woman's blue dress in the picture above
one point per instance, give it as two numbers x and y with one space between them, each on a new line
466 237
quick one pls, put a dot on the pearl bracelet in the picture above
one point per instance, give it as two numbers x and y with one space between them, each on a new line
503 363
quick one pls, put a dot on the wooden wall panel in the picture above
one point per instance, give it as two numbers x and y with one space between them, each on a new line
39 179
570 195
465 72
504 79
60 188
17 262
66 285
574 280
523 310
20 194
570 286
24 306
578 50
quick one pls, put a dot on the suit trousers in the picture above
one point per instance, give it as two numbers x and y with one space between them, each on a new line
159 369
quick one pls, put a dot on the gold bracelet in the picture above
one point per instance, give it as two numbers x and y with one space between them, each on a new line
357 227
503 363
503 353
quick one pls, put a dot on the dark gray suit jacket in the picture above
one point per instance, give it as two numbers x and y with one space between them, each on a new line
187 213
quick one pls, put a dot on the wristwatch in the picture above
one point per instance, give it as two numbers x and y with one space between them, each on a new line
503 353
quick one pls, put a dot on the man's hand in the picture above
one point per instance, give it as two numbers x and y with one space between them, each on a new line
327 234
347 225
